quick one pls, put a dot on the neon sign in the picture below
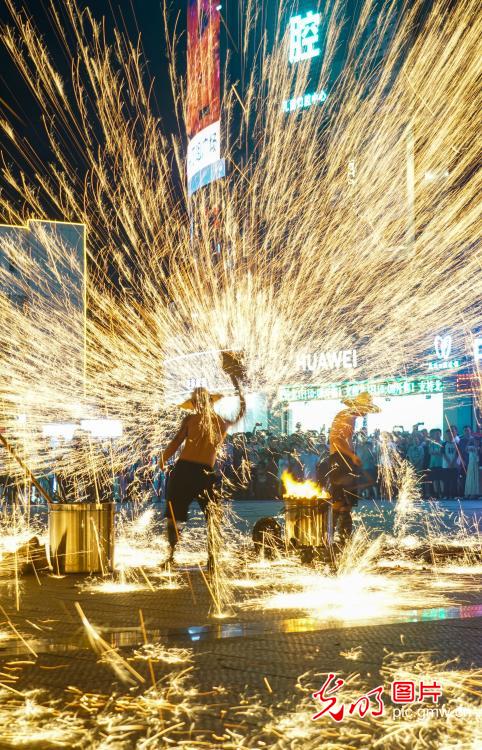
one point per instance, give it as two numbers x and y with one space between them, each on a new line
304 37
443 349
305 101
443 346
448 364
383 388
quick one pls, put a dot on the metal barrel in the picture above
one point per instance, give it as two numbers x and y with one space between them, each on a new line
308 521
81 537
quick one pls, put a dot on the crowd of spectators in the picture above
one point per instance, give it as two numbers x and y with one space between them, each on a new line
252 463
447 465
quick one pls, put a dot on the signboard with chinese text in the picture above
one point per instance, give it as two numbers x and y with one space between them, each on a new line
442 346
389 387
203 105
304 36
306 39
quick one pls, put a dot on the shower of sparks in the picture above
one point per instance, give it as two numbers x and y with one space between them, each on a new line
219 521
321 249
377 574
362 587
138 542
107 653
460 726
26 721
160 653
163 716
408 495
353 654
344 267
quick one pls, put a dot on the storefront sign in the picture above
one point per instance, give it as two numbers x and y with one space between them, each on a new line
443 348
304 44
450 364
305 101
304 36
343 359
203 102
466 383
383 388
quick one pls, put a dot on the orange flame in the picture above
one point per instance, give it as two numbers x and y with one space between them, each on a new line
306 489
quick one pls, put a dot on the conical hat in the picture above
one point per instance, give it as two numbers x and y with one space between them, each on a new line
363 401
189 403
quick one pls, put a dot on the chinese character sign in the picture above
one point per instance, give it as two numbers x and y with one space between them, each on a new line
304 37
305 101
360 706
203 149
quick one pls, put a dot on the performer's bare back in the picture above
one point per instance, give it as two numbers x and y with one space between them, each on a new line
200 445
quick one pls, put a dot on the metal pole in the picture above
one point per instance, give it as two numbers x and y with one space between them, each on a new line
24 466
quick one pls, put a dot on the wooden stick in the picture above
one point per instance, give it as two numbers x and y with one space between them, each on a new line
24 466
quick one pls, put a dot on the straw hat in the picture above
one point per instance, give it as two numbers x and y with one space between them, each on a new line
362 402
197 394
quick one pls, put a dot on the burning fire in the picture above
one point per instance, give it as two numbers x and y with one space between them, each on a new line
306 489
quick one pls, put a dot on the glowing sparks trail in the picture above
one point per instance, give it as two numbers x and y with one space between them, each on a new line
103 721
364 587
318 251
288 271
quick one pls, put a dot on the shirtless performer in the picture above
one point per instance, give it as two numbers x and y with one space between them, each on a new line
345 466
202 433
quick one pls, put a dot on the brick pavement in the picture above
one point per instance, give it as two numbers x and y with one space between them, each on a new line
243 655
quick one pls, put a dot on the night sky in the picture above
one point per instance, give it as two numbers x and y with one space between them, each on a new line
17 103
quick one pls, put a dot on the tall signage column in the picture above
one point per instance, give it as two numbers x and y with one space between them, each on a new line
204 162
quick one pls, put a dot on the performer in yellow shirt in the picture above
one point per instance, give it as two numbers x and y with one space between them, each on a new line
345 466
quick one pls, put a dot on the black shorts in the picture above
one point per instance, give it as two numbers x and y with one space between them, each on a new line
344 479
189 481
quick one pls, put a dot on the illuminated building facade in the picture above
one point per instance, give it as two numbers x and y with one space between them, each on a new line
65 291
429 392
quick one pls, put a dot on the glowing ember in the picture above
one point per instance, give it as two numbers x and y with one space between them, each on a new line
160 653
114 587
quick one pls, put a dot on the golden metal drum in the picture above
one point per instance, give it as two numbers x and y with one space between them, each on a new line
308 521
81 537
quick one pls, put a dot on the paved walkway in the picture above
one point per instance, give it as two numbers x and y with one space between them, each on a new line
243 672
241 681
